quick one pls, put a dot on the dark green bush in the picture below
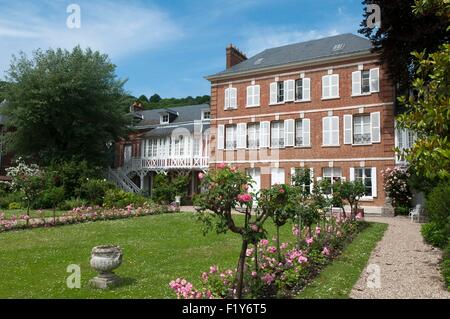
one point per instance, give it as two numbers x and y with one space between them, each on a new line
51 197
8 198
433 234
72 203
438 206
94 190
446 266
401 210
120 199
167 187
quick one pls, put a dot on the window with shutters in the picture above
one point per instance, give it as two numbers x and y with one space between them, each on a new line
230 137
330 86
332 175
365 82
230 98
364 175
299 89
362 129
253 95
280 91
299 133
253 135
277 134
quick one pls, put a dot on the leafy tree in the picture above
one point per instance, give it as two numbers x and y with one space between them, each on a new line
143 98
350 192
63 105
428 110
402 32
155 98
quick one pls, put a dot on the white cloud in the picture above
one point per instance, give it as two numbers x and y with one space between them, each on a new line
117 28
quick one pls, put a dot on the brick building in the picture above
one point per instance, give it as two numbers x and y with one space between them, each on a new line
326 105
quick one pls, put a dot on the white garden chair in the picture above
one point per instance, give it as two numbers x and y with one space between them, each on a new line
415 212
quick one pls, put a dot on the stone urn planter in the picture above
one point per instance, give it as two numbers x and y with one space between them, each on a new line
104 259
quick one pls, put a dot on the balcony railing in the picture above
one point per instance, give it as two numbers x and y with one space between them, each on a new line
139 164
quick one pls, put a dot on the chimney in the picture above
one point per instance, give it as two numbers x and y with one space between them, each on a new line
234 56
136 107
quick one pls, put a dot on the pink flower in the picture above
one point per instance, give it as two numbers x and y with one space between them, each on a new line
284 245
254 274
268 278
295 230
302 259
317 230
309 240
249 252
200 176
281 190
221 165
245 186
264 242
233 169
359 216
325 251
272 249
244 198
205 276
213 269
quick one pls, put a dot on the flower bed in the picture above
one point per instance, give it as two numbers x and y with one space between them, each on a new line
81 215
268 276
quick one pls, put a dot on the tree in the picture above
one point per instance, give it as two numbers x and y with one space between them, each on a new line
155 98
350 192
64 105
428 110
143 98
402 32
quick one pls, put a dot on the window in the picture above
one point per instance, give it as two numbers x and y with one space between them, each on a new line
304 178
206 115
253 95
364 175
277 134
332 175
277 176
230 137
404 140
165 119
179 146
330 128
361 130
151 148
299 133
280 96
196 146
330 86
299 89
253 135
365 82
127 153
230 98
303 89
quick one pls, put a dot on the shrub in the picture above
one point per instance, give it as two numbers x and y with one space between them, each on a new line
437 207
119 199
14 205
396 186
94 190
446 266
14 197
433 234
52 197
166 188
72 203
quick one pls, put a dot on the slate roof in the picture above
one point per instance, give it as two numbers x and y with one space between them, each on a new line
335 46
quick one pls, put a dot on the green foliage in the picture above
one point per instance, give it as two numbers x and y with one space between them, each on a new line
156 102
94 190
10 197
396 186
117 198
433 234
72 203
445 267
167 187
51 197
14 205
351 192
63 105
437 208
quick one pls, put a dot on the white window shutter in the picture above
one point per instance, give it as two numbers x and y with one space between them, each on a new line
306 126
220 137
326 131
325 86
292 175
335 85
335 130
289 132
241 135
289 91
356 83
348 129
250 95
311 175
306 89
233 98
227 99
273 93
374 182
375 127
352 174
375 80
264 134
256 93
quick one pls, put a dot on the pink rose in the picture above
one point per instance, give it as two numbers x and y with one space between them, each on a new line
264 242
325 251
221 165
213 269
309 240
200 176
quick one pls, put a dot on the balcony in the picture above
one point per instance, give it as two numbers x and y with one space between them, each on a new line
163 164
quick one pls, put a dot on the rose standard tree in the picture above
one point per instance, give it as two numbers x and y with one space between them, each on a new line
226 189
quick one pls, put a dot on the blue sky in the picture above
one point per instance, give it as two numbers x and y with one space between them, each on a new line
167 47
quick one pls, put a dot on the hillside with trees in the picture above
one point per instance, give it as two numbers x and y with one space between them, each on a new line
157 102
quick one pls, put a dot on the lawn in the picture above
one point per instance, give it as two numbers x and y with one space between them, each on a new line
337 280
157 249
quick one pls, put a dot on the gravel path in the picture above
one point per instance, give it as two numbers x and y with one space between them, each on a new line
408 267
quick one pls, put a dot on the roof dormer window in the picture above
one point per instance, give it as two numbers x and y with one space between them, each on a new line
206 115
164 118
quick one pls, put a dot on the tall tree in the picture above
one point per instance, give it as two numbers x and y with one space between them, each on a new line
401 33
155 98
64 105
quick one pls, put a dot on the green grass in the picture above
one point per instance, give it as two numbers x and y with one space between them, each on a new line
338 278
33 213
157 249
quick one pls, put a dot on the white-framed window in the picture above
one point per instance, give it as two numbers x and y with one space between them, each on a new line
127 153
303 89
179 146
253 95
404 139
330 131
368 176
308 174
277 176
280 92
365 82
241 135
302 133
332 175
206 115
264 129
165 118
230 137
230 98
253 135
362 129
196 146
277 134
330 86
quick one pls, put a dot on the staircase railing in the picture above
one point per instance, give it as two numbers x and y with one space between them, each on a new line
123 181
